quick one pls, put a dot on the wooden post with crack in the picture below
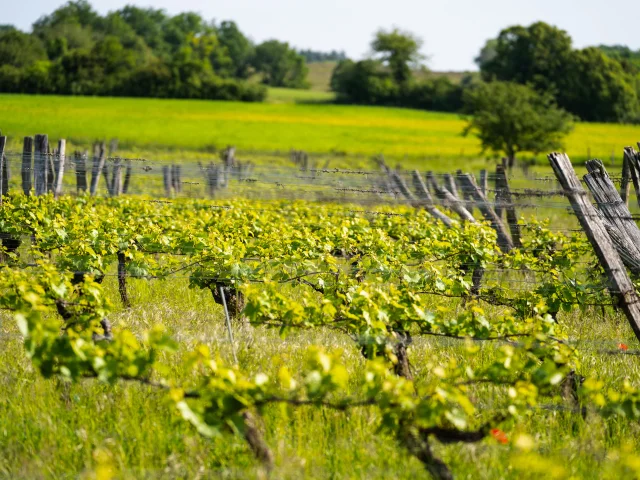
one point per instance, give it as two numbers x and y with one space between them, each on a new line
619 284
505 200
426 201
504 240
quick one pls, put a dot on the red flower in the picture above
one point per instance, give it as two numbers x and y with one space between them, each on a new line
499 435
622 346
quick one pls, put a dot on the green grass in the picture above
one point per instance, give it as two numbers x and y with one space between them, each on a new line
320 75
290 95
52 430
145 126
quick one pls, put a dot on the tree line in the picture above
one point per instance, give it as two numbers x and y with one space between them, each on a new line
142 52
599 84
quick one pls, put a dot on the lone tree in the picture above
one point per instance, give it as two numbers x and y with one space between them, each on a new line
280 65
400 51
510 118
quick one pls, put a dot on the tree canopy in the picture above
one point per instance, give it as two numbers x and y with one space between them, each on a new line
509 118
399 50
596 84
141 52
280 65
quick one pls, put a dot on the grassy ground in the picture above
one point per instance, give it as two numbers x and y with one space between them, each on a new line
350 134
50 430
320 75
290 95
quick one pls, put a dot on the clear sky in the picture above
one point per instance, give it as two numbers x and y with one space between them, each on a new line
453 30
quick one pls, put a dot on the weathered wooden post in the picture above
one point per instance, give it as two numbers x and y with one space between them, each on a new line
40 164
127 178
620 285
27 168
425 197
166 177
99 158
116 178
62 150
401 186
81 171
625 182
504 240
618 221
505 200
4 184
483 182
176 182
450 185
631 158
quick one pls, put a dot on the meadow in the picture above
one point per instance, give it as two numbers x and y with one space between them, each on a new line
52 428
349 135
55 428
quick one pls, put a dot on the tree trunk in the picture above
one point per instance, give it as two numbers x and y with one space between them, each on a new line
419 447
122 280
255 439
402 368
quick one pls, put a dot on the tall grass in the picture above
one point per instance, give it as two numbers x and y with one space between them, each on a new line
52 430
201 126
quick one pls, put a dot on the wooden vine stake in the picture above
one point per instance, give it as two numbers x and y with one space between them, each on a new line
425 200
81 171
99 158
504 240
625 183
62 150
27 168
4 184
40 164
631 158
621 227
503 197
620 285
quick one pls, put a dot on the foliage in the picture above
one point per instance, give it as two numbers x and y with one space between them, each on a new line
400 51
629 59
387 78
129 52
366 276
280 65
510 118
596 84
313 56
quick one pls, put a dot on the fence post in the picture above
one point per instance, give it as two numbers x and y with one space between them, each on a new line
81 171
4 184
632 161
450 185
620 285
127 178
98 165
62 150
504 240
424 196
116 177
166 176
503 196
40 164
483 182
454 203
625 182
27 160
621 227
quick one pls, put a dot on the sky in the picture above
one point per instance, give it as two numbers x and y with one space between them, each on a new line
453 31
